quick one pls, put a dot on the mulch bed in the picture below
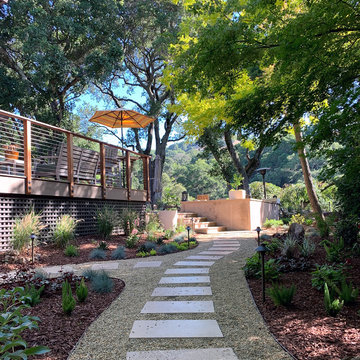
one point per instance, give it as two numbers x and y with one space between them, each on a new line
61 332
51 255
305 329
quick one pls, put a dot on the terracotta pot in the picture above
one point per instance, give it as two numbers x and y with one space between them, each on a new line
237 194
11 155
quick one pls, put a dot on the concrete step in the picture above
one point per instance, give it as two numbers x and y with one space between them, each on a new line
199 219
211 230
187 215
204 224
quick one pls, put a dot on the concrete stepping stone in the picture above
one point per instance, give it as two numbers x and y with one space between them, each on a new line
202 257
175 329
54 270
177 307
147 264
187 271
182 291
184 279
105 266
224 248
226 245
184 354
215 252
227 242
195 263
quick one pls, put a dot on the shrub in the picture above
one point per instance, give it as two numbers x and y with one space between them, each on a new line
131 241
271 268
332 307
107 219
297 219
71 250
273 245
89 274
25 226
272 223
281 295
102 283
153 225
81 291
307 247
128 221
147 246
159 240
68 301
265 237
151 237
97 254
32 295
64 231
252 266
153 252
103 245
289 247
180 228
347 230
326 273
12 323
168 234
334 250
118 253
180 238
167 249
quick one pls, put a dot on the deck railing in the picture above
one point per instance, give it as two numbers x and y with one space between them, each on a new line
38 151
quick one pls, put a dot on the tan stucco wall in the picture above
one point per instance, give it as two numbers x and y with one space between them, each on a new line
242 214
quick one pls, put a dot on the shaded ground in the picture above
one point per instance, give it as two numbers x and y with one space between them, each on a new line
305 329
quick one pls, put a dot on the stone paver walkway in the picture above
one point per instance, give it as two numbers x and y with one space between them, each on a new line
181 306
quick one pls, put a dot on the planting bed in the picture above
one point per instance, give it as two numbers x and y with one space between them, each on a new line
304 328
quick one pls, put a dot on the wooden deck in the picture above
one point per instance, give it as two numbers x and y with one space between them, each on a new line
37 159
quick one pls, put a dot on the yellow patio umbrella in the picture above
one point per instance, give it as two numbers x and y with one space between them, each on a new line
121 118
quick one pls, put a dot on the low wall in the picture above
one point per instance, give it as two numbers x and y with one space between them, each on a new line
54 207
240 214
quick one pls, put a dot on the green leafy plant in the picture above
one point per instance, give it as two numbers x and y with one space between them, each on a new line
168 234
103 245
12 323
347 229
332 306
102 283
147 246
97 254
252 266
323 226
68 301
307 247
153 224
33 295
272 223
282 295
71 251
64 231
297 219
118 253
153 252
81 291
334 250
290 247
326 273
131 240
107 219
273 245
271 268
142 254
346 292
129 221
180 228
25 226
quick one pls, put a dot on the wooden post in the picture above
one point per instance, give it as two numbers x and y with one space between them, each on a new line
70 163
27 156
128 174
146 177
102 170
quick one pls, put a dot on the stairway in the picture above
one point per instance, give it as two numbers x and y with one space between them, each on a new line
201 224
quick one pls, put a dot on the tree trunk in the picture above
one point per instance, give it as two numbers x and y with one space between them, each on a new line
314 202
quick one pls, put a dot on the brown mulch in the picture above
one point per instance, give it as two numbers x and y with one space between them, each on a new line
50 255
61 332
305 329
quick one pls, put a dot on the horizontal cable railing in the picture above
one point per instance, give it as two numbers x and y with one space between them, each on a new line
40 151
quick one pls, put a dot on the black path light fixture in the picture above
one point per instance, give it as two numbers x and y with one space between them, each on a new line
184 196
261 250
32 237
188 228
263 171
258 229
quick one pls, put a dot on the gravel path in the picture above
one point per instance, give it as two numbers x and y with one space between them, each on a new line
242 326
